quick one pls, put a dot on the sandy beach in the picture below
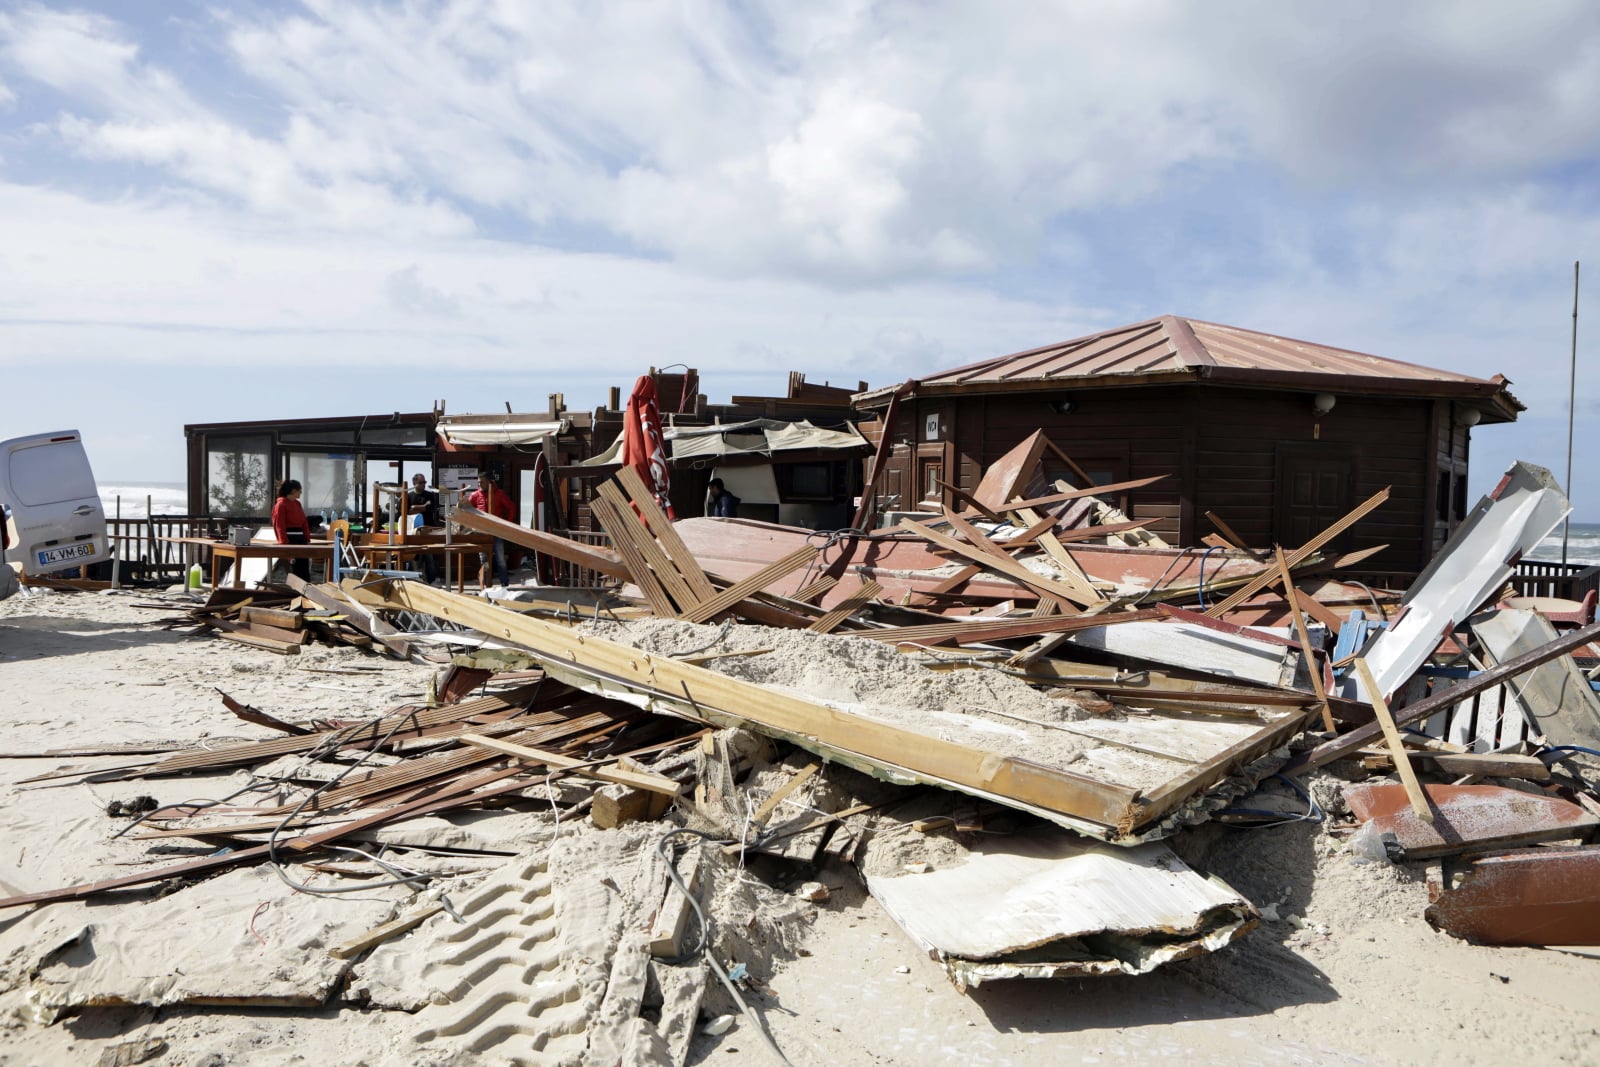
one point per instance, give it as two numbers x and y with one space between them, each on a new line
235 969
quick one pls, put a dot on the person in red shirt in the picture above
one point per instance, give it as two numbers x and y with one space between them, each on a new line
289 523
490 499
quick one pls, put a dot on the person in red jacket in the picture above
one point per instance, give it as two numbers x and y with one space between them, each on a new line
490 499
289 523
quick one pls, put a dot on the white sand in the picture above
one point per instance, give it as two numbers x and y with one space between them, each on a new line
1362 979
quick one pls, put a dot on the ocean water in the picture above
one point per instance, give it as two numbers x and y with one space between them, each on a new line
165 498
1583 544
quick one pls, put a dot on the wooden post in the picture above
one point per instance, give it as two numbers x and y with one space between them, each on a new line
1397 747
1312 666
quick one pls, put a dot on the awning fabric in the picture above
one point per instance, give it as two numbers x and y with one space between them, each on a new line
490 430
757 437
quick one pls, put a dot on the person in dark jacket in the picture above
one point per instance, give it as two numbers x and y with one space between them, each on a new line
719 502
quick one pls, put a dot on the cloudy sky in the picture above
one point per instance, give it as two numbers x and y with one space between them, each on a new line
214 211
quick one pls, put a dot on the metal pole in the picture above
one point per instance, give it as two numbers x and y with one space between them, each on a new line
1572 390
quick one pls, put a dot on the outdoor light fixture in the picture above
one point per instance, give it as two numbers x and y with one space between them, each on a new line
1468 417
1323 403
1063 405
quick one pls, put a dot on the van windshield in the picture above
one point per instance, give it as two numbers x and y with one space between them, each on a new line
50 474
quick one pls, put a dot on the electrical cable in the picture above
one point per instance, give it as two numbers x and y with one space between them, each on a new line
664 852
1201 588
1313 812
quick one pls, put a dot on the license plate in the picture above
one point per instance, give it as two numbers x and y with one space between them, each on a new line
50 556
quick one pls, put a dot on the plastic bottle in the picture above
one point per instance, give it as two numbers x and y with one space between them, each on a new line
196 576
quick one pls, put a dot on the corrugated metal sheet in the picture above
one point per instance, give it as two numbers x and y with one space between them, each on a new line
1053 904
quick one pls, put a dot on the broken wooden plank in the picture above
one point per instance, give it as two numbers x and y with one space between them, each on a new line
584 556
1007 566
1313 665
707 610
618 522
656 519
1074 494
1397 748
1301 554
869 592
650 783
379 934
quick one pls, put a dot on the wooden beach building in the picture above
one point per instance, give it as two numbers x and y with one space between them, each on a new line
1277 437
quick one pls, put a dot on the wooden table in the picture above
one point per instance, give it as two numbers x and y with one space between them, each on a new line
220 550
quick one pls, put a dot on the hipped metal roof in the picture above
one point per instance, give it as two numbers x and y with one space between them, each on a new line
1173 350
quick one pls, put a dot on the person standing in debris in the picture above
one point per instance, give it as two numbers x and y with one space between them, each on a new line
719 502
422 507
490 499
290 525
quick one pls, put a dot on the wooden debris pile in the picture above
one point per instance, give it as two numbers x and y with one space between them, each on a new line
284 619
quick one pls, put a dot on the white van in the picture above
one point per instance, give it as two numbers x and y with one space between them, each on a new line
54 517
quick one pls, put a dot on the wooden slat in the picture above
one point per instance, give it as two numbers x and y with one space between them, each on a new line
699 584
676 585
1313 665
1074 494
738 591
618 525
1007 566
650 783
585 556
815 591
1300 555
868 592
973 631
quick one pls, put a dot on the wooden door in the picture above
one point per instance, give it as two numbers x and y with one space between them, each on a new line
1315 488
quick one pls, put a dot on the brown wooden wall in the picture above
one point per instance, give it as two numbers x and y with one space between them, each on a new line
1221 449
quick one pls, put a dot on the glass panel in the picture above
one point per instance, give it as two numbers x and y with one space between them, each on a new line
318 437
327 482
237 482
418 436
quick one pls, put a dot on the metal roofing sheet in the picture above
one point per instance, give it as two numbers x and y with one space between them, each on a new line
1176 345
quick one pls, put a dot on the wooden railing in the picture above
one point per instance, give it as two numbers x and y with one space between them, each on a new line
146 557
1569 581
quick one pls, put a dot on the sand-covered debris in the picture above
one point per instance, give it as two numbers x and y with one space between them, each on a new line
981 707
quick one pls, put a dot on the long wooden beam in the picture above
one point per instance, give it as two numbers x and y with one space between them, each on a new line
594 559
658 678
1074 494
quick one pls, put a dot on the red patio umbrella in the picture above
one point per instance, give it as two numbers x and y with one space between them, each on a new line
643 447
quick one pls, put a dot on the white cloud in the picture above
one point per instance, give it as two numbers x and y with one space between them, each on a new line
847 141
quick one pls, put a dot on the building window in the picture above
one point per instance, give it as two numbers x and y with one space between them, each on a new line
238 481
